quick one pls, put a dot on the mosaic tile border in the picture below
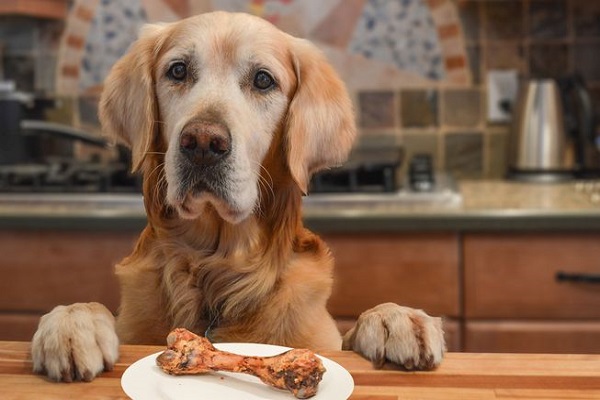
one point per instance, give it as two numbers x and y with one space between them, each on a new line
444 14
72 44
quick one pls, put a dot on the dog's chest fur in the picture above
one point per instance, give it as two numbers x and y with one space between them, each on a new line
226 282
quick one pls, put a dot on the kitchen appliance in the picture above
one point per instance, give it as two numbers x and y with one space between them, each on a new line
38 156
371 178
369 169
29 166
553 136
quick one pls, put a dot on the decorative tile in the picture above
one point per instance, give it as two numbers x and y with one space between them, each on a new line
49 35
21 70
420 143
449 31
114 27
469 17
506 56
443 11
201 6
503 19
400 33
85 12
595 95
363 74
338 27
464 154
418 108
45 73
586 18
548 19
455 62
72 71
474 55
311 14
497 155
377 140
18 35
171 10
180 7
453 47
63 111
433 4
461 108
88 110
586 61
75 42
377 109
548 61
28 50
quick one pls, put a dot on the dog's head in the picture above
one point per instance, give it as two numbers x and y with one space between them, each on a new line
211 96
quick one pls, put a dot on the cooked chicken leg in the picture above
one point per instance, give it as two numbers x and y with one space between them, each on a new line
297 370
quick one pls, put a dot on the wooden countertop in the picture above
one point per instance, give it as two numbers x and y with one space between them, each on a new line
461 376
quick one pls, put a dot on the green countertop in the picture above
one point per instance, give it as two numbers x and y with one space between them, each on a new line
481 206
484 206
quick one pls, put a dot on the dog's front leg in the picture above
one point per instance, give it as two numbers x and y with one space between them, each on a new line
402 335
75 342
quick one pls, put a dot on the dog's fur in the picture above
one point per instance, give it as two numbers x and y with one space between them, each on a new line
225 252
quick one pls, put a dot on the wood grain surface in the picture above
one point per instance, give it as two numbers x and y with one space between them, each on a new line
461 376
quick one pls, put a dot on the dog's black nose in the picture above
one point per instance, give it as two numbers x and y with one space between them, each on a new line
205 143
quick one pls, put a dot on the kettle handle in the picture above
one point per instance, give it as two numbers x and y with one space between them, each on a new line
587 122
574 87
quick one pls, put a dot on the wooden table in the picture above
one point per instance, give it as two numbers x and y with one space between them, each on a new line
461 376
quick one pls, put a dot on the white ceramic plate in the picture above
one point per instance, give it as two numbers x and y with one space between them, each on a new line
143 380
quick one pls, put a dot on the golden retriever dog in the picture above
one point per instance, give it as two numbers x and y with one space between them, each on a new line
227 117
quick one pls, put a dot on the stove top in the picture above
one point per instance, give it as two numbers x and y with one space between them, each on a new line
444 192
378 183
67 176
364 179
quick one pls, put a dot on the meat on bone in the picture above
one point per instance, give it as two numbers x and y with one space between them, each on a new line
297 370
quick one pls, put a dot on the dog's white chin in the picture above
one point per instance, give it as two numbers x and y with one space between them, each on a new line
193 207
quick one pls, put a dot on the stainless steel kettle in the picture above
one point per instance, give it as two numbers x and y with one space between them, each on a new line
553 132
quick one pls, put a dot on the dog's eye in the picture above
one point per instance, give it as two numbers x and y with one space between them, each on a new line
263 80
177 71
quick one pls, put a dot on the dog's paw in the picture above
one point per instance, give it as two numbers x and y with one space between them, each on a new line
402 335
75 342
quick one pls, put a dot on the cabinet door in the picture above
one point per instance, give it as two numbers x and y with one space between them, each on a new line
532 337
43 269
18 326
415 270
515 276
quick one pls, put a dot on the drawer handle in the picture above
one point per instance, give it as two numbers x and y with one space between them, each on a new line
577 277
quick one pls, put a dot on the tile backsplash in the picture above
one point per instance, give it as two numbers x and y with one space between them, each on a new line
537 38
417 68
28 50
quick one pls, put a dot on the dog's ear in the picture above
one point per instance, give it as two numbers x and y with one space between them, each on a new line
320 126
128 109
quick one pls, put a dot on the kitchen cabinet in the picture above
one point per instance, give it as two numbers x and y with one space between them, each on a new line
415 270
514 300
496 292
532 336
42 269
